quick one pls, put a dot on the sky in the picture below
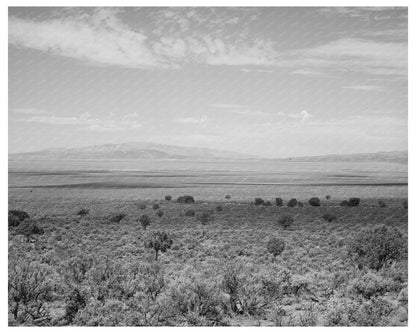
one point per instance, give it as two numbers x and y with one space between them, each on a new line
273 82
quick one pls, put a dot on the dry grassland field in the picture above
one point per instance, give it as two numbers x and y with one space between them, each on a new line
104 246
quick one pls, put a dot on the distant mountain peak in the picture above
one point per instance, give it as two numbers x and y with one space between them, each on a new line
135 150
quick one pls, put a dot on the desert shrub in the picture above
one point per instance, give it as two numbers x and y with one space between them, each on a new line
197 303
292 203
142 206
329 217
381 203
83 212
74 302
159 241
405 204
379 246
300 204
258 201
13 220
279 202
371 285
309 315
267 203
373 312
344 203
285 220
190 212
30 288
17 216
187 199
275 246
315 202
328 197
116 218
29 228
144 221
155 206
219 208
228 197
168 197
243 292
159 213
205 217
354 202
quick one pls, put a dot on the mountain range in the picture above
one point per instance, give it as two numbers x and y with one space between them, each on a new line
148 150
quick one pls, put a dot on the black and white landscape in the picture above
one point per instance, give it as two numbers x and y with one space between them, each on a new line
208 166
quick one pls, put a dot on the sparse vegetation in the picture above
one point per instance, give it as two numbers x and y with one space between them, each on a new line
190 212
142 206
379 246
144 221
344 203
292 203
168 197
279 202
354 202
83 212
315 202
186 199
228 197
160 213
160 242
381 203
329 217
95 273
155 206
285 220
116 218
275 246
259 202
219 208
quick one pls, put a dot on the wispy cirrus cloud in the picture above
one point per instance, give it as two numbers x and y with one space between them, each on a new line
101 37
84 122
364 87
192 120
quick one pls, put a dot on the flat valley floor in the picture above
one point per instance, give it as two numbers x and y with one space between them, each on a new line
92 269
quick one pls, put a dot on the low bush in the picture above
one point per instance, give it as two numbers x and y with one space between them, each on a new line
344 203
219 208
405 204
13 220
354 202
187 199
155 206
228 197
190 212
144 221
378 247
159 241
168 197
381 203
83 212
328 197
142 206
29 228
279 202
267 203
300 204
329 217
315 202
116 218
285 220
205 217
160 213
259 202
371 285
19 214
292 203
275 246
